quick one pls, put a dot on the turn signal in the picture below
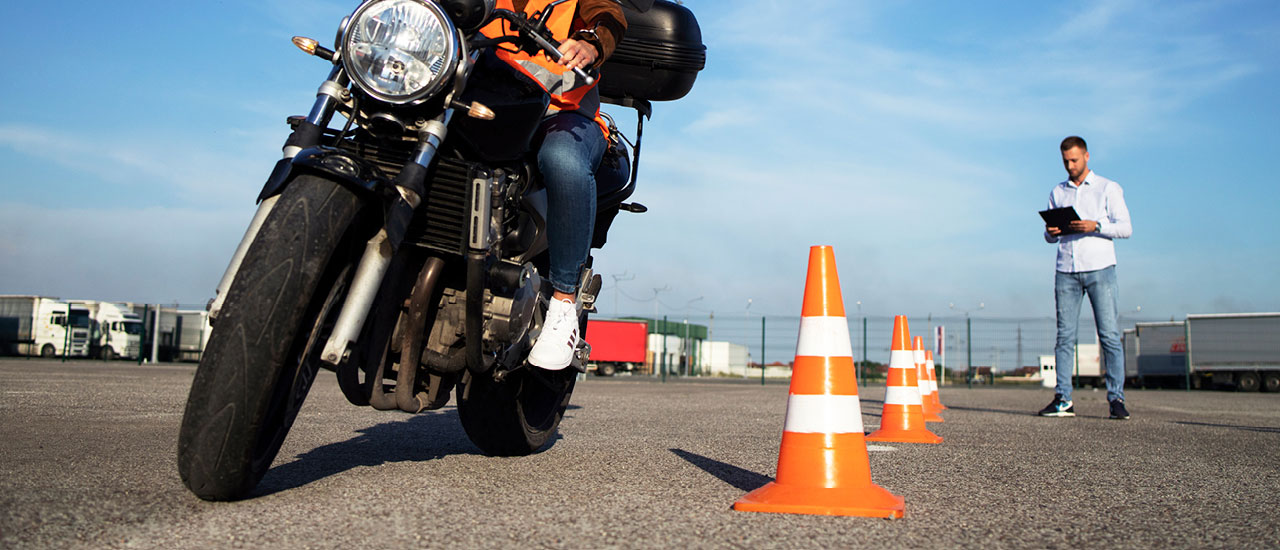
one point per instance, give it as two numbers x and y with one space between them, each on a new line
306 44
309 45
475 110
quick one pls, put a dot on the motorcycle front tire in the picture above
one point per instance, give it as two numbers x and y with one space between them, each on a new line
264 352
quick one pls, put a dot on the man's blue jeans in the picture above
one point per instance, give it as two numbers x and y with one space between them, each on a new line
1069 289
572 146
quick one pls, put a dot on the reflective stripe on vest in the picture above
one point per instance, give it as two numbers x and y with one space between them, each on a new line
567 91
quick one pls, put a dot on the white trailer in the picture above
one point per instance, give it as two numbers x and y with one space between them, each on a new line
183 334
1087 371
116 330
1240 349
44 326
722 358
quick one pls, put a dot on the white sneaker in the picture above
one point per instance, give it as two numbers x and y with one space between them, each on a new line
554 348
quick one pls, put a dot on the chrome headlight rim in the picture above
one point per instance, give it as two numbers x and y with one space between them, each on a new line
450 57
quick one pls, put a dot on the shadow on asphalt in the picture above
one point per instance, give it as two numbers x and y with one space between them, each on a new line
744 480
1263 429
1018 412
419 438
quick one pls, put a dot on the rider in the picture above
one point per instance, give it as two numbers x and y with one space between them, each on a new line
573 140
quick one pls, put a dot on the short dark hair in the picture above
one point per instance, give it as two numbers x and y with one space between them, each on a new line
1073 141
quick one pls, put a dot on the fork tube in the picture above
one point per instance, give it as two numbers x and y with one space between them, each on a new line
383 246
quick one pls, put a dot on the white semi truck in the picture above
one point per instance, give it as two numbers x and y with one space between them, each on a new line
116 330
44 326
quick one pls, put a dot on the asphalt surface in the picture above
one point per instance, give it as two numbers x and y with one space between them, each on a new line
87 461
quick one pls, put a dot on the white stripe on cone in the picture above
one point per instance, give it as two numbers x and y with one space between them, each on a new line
902 395
828 414
933 375
921 381
901 359
824 337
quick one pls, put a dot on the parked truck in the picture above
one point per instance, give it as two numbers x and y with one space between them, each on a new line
1238 350
116 331
616 346
182 334
44 326
1087 371
1161 350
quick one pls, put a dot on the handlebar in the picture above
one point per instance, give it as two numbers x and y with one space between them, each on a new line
536 30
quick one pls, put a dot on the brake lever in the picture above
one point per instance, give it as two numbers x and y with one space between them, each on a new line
552 50
534 31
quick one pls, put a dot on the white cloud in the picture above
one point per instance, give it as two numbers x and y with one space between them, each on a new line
824 137
807 127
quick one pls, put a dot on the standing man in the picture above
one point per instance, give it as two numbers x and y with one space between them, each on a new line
1087 265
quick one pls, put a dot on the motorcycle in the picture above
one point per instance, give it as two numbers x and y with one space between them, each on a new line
404 250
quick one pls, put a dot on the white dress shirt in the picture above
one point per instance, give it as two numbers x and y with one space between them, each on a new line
1098 199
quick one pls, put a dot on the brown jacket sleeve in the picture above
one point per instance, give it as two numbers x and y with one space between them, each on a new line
605 16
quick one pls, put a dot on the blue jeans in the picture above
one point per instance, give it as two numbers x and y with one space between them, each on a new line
571 148
1069 289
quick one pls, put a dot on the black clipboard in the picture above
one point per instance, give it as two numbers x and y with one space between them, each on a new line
1061 218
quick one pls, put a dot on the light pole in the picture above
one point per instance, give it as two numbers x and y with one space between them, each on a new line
616 280
688 344
762 339
661 335
968 337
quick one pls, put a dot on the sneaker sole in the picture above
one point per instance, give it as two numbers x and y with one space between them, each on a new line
1058 414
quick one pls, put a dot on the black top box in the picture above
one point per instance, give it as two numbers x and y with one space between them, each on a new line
659 56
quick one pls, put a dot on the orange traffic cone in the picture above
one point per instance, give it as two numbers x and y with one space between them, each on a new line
903 418
933 379
922 381
823 466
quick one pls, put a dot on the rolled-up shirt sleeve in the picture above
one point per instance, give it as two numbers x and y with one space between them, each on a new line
1117 224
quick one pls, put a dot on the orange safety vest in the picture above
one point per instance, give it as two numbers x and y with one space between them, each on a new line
568 91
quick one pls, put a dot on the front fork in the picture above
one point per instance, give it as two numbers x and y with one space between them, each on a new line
380 249
383 246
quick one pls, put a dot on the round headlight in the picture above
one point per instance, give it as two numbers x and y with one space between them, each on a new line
400 51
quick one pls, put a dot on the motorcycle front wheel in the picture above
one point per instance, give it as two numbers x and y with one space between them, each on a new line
265 350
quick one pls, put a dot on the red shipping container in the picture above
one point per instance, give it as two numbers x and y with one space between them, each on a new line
618 341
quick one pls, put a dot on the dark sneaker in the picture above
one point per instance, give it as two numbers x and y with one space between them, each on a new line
1059 407
1118 411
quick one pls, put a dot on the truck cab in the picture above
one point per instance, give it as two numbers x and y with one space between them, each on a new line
117 331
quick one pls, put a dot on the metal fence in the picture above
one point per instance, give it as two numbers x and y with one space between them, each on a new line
958 342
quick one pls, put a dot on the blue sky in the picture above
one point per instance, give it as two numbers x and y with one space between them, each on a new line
917 138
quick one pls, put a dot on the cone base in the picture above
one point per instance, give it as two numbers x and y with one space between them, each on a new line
932 417
870 501
905 436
